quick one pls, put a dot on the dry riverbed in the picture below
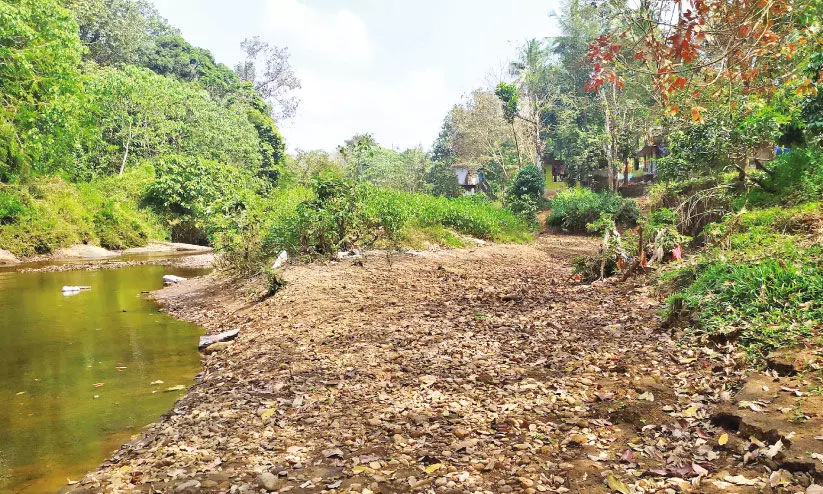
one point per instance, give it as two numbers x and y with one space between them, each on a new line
482 370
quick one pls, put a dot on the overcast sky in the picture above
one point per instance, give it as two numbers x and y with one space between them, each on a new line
389 67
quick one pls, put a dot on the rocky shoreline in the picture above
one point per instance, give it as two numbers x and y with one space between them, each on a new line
90 257
185 261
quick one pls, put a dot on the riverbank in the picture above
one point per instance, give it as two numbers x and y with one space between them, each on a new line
89 258
480 370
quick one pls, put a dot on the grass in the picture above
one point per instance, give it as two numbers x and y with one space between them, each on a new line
416 237
765 304
49 213
337 214
759 281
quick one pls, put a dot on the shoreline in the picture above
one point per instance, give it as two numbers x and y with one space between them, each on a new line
89 258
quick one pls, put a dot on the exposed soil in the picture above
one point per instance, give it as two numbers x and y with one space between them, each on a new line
481 370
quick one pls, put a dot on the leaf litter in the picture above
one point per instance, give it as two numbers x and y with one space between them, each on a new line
372 377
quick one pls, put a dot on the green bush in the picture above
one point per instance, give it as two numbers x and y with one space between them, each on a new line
195 194
526 192
795 177
11 207
56 214
573 209
338 214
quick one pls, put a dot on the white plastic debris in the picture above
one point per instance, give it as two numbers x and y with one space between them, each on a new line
280 261
171 279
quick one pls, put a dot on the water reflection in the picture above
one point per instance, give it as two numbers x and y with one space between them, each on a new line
76 369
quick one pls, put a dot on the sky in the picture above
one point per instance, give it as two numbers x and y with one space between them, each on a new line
393 68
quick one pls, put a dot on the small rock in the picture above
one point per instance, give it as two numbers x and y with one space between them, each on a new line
171 279
7 258
217 338
461 433
217 347
267 481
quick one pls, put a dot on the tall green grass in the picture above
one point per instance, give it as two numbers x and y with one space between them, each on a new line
49 213
337 214
764 304
759 281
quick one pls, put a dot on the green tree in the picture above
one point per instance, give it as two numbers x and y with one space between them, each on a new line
141 115
117 31
41 101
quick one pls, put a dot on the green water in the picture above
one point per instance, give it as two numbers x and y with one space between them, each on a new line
54 423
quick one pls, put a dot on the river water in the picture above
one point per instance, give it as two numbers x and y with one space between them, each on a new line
76 372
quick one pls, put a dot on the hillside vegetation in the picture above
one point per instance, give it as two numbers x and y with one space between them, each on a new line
114 131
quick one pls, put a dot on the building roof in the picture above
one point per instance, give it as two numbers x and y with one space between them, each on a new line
467 164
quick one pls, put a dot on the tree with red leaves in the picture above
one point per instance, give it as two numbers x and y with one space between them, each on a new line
729 61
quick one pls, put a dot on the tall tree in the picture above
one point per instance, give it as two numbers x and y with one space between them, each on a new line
268 68
40 91
115 31
712 60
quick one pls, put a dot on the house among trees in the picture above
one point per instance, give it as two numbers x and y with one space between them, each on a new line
558 169
651 152
470 178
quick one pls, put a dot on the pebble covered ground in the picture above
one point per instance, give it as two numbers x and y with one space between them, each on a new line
452 371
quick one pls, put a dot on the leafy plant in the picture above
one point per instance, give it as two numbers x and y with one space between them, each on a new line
11 207
575 208
526 191
766 304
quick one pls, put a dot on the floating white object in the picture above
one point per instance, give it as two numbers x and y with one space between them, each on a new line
75 288
171 279
281 260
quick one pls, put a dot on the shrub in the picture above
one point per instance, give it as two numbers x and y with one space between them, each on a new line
194 194
662 230
11 207
524 195
338 214
573 209
442 180
57 214
795 177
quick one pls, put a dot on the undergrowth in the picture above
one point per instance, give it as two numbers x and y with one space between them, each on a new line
48 213
337 214
759 278
574 209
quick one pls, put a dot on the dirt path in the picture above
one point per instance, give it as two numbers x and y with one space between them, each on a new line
477 370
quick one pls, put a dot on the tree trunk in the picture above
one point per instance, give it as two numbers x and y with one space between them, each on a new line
126 154
517 146
607 127
538 145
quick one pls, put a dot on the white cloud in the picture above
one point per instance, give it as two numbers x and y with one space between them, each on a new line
402 114
341 35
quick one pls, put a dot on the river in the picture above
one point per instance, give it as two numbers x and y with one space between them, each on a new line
77 372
